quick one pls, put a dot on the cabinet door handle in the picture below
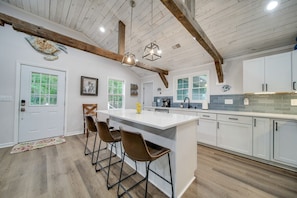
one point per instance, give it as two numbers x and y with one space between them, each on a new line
218 125
262 87
266 87
206 116
294 85
233 118
255 122
276 126
198 122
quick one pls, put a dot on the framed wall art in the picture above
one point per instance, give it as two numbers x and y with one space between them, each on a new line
134 90
88 86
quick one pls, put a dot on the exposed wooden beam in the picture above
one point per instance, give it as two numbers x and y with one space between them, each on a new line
164 79
39 31
121 39
181 14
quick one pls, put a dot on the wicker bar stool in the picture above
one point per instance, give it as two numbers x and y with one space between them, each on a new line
88 110
138 149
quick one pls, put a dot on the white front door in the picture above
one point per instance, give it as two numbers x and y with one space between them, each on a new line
42 103
147 94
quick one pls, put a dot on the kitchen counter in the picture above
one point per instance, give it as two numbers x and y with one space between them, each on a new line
240 113
151 118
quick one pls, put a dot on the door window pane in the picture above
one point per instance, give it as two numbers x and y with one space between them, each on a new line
43 89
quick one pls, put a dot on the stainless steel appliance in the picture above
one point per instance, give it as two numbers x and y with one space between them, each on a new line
166 102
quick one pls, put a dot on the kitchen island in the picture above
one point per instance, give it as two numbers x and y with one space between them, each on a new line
174 131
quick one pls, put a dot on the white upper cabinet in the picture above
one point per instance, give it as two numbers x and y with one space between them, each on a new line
294 70
268 74
278 73
253 75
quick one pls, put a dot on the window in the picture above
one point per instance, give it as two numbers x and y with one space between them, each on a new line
116 94
199 89
194 86
182 88
43 89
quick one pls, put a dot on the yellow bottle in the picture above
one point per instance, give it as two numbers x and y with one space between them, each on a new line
138 108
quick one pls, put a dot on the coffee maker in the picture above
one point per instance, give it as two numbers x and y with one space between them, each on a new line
166 102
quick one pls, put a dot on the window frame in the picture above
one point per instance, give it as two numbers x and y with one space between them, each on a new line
123 92
190 80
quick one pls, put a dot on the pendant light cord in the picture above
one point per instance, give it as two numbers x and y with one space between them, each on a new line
132 3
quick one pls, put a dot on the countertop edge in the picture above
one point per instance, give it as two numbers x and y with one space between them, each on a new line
107 112
239 113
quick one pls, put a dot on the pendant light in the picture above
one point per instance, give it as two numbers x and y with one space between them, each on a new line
129 58
152 51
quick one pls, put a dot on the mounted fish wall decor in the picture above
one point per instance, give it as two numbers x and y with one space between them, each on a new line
49 48
226 88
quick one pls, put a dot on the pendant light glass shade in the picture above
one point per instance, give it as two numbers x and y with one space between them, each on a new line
152 51
129 58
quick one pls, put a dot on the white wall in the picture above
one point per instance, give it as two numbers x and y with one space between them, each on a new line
14 48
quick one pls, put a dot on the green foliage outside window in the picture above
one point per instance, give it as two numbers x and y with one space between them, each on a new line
44 89
115 94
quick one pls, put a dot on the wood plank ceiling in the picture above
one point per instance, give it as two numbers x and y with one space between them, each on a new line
235 27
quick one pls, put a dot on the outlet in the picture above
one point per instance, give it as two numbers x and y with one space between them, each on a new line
246 101
293 102
228 101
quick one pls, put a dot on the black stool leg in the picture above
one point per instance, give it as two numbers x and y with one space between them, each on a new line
86 146
171 181
122 179
146 178
93 163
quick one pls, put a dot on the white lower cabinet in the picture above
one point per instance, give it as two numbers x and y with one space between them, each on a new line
285 142
207 128
235 133
261 138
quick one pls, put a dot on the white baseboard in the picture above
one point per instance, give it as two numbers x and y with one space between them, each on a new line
71 133
9 144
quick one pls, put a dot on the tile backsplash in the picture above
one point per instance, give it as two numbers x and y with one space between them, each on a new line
272 103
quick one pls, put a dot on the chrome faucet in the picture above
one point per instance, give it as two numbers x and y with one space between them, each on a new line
187 98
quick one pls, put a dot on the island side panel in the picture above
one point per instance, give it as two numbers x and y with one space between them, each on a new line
185 156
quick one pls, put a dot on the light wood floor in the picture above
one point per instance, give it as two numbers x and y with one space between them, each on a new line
64 171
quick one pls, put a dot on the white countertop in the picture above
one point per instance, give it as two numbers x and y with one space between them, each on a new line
240 113
153 119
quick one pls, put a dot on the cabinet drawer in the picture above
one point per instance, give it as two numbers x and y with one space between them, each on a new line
235 118
209 116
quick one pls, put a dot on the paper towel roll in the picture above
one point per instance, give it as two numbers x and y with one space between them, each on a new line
204 105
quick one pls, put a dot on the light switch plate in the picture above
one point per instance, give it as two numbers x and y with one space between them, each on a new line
246 101
293 102
228 101
5 98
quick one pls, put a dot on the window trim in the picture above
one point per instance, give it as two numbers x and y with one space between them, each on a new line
190 77
123 91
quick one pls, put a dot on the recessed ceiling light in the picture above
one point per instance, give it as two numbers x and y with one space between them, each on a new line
102 29
271 5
